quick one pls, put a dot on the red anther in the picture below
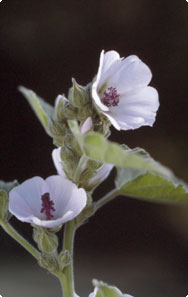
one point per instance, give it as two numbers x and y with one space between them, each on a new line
47 206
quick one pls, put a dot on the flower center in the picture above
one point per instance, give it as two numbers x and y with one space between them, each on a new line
47 206
111 97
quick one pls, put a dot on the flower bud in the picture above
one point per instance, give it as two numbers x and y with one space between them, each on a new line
85 112
92 164
70 112
85 178
69 160
49 261
60 103
71 143
58 130
64 259
68 140
47 241
67 154
78 95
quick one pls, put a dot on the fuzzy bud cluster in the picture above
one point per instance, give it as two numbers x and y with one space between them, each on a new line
78 106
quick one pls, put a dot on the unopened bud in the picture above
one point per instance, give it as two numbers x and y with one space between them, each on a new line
85 112
69 160
60 104
65 259
67 154
78 95
47 241
92 164
49 261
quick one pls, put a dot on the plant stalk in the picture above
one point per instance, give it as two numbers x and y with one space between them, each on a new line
67 279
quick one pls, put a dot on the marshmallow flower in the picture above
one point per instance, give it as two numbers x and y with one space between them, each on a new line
101 175
47 203
120 91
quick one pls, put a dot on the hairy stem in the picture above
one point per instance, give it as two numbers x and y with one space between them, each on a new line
68 279
64 284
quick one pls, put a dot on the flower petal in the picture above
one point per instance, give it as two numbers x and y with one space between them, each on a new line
25 199
56 156
137 108
60 192
132 74
109 58
52 223
94 88
87 125
77 202
66 196
102 174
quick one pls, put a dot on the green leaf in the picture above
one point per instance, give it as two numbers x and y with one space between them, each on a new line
149 186
139 175
42 109
97 147
104 290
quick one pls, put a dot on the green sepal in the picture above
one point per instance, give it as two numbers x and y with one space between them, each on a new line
60 105
150 187
43 110
47 241
49 261
64 259
78 95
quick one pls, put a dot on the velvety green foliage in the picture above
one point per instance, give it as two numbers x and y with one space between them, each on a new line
43 110
149 186
97 147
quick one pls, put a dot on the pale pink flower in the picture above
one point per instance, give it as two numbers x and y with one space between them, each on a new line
120 91
47 203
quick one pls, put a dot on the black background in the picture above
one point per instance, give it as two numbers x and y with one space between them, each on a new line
138 246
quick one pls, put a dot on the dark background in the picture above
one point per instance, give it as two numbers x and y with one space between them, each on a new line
140 247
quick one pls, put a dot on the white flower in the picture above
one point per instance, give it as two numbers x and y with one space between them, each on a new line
101 175
121 91
47 203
